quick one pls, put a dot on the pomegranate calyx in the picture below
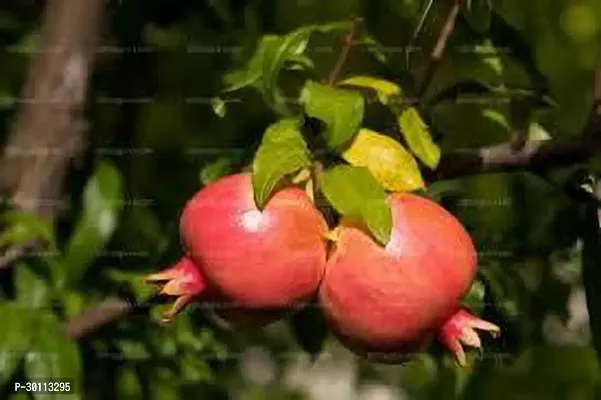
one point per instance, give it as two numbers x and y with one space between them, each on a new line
460 329
332 235
181 280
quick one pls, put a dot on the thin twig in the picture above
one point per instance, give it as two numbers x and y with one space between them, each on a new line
439 47
569 189
504 157
11 255
537 155
346 48
416 33
15 252
105 313
115 309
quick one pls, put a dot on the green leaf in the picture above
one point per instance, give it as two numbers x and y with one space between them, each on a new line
355 193
164 389
102 203
30 42
506 35
188 337
133 350
300 62
219 107
439 191
134 280
282 151
496 116
383 88
162 384
406 8
14 338
341 110
251 73
73 302
418 375
163 343
128 384
310 328
474 299
418 137
451 116
478 14
25 226
215 170
195 369
52 356
375 48
290 47
537 132
504 289
485 63
33 291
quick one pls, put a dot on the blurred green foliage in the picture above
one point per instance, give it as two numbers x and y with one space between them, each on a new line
188 100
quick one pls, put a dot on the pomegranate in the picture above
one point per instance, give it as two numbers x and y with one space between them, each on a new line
258 261
384 302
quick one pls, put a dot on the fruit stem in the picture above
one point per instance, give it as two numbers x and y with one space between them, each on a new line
333 235
303 175
316 172
310 190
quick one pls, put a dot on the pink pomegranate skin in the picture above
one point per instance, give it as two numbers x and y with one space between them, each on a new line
268 258
391 299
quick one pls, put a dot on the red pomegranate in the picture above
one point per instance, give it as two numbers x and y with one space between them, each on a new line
256 261
384 302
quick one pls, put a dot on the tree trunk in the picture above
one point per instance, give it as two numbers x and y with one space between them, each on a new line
49 130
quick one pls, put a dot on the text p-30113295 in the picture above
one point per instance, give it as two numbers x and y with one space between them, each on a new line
43 386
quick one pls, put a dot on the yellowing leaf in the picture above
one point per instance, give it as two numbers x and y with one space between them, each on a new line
418 137
387 160
410 123
385 89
